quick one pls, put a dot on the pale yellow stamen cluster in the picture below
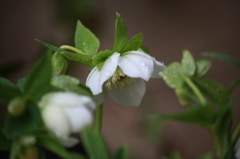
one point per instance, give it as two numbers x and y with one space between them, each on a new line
118 80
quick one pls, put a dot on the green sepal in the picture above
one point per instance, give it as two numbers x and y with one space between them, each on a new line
38 81
52 144
59 64
121 153
101 57
121 33
94 144
84 59
173 75
133 44
7 90
68 83
24 124
202 66
85 40
188 64
223 57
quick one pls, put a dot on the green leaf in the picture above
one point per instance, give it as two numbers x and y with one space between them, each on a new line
212 89
175 155
38 81
172 75
85 40
27 123
101 57
68 83
52 47
5 144
202 115
21 84
188 64
133 44
84 59
7 90
231 89
223 57
59 64
202 65
144 49
122 153
207 156
94 144
121 33
53 145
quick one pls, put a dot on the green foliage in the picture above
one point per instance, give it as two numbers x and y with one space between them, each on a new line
223 57
188 64
59 64
7 90
94 144
203 65
68 83
101 57
122 153
174 155
133 44
85 40
27 123
53 145
5 144
121 34
207 156
38 81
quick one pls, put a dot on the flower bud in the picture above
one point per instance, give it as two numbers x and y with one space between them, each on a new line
183 98
17 106
59 64
65 113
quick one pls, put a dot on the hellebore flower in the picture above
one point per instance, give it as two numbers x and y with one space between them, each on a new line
64 113
122 77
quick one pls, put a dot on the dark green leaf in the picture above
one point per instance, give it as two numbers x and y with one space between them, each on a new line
67 83
223 57
212 89
122 153
175 155
56 147
207 156
231 89
7 90
27 123
188 64
133 44
5 144
21 84
172 75
144 49
202 65
202 115
121 33
101 57
38 81
85 40
52 47
94 144
59 64
84 59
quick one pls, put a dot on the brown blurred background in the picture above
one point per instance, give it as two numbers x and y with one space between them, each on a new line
168 26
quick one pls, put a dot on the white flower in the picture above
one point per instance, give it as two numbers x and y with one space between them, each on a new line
122 77
64 113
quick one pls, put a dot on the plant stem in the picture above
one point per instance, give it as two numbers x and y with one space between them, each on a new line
217 145
67 47
195 90
98 118
235 133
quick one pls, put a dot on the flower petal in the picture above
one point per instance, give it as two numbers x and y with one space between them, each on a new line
78 117
136 64
129 95
93 81
158 67
100 98
109 67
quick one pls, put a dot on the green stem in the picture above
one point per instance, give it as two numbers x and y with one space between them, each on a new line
98 118
67 47
195 90
235 133
217 145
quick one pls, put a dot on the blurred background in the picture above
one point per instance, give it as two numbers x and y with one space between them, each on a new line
168 26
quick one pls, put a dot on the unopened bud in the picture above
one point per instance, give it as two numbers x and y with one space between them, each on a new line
59 64
17 106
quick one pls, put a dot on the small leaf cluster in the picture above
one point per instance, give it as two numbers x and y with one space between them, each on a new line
210 105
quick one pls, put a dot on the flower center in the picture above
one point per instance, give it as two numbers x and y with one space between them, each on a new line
118 80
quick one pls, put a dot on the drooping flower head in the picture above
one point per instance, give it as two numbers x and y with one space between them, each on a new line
122 77
64 113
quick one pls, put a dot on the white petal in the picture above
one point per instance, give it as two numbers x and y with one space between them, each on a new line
78 118
158 67
109 67
136 64
55 120
129 95
100 98
93 81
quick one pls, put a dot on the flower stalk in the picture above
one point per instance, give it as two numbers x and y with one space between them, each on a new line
67 47
98 118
